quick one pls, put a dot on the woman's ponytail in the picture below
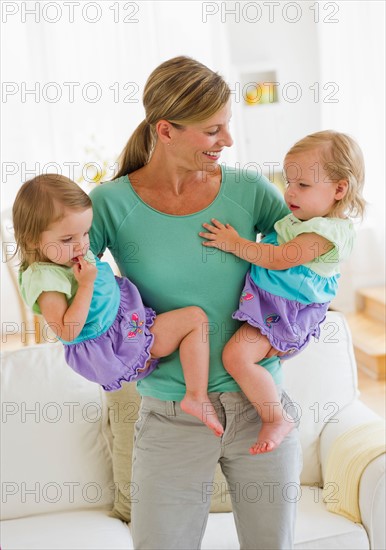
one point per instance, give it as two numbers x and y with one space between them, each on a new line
137 151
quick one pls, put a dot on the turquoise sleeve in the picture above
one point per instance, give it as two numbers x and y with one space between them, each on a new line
269 208
98 234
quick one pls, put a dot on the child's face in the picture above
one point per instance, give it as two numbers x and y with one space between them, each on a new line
310 191
65 240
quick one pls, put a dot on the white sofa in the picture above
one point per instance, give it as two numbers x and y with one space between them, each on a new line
56 458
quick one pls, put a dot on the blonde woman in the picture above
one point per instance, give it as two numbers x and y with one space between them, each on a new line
169 183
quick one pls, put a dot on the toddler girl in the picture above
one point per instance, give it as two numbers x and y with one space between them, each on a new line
294 273
109 336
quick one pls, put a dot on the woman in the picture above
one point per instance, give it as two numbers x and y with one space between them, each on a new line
150 217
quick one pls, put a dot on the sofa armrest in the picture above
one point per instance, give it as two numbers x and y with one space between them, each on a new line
372 502
372 481
354 414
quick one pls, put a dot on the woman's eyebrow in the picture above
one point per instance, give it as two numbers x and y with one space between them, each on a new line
217 124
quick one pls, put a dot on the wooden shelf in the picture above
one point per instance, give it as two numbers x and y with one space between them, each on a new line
373 302
368 328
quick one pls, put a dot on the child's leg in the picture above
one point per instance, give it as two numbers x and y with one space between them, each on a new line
244 349
186 329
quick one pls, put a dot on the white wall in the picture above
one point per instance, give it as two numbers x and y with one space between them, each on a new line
282 39
354 58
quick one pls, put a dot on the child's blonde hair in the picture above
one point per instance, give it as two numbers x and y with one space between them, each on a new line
40 202
342 159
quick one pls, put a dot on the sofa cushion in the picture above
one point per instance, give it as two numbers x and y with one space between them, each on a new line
55 443
316 528
321 380
82 529
123 408
94 530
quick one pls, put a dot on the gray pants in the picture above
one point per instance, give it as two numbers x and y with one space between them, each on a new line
174 459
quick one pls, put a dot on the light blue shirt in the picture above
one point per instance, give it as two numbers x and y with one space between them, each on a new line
316 281
46 276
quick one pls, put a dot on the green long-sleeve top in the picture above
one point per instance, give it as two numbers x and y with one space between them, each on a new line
164 257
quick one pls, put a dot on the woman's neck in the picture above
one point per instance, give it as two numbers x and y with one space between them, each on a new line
172 179
175 191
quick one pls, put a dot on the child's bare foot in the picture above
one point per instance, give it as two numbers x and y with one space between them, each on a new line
204 411
271 435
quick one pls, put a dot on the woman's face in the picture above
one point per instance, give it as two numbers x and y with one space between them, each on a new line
198 146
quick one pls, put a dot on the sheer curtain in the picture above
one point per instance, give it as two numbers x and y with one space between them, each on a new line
353 57
73 76
72 90
77 86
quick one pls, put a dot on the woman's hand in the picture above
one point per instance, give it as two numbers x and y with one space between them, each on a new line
85 272
224 237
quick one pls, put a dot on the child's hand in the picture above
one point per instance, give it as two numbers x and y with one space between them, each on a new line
85 273
220 236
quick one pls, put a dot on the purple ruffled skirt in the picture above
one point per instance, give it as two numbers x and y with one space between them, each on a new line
288 324
121 353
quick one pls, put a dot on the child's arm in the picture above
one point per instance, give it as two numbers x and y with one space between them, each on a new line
302 249
67 321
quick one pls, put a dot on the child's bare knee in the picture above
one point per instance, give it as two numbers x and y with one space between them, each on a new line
230 358
198 314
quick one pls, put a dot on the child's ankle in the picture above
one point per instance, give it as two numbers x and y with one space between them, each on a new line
202 397
272 413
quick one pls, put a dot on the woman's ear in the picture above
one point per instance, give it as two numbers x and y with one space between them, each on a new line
164 130
341 189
